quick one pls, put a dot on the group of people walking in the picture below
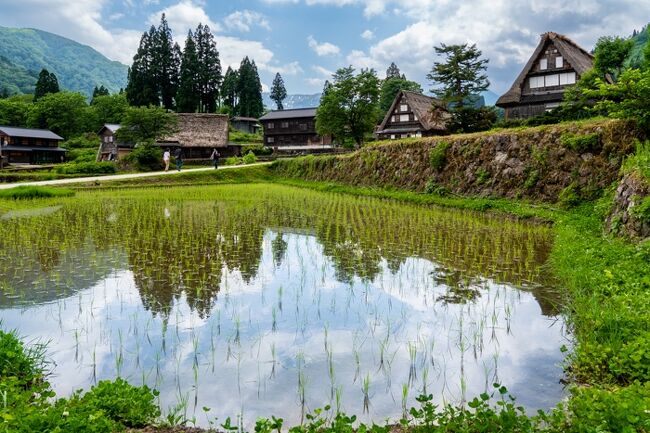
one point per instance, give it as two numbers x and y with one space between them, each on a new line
178 157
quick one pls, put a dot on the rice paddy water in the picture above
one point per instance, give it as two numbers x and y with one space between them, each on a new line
260 300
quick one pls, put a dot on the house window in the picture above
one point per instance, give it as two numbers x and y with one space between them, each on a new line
284 125
303 126
536 82
559 62
270 140
110 139
394 119
405 135
418 134
567 78
392 136
551 106
404 118
270 125
543 64
552 80
415 117
403 107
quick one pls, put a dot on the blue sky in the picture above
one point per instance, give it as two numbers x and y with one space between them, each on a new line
306 40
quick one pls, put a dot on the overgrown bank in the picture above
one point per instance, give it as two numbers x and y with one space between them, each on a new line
543 163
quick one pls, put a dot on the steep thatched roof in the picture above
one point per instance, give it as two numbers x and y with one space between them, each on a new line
431 113
578 58
200 130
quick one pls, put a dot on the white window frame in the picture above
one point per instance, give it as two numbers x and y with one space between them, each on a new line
543 64
404 118
536 82
394 119
270 140
284 125
552 80
559 62
567 78
403 107
270 125
392 136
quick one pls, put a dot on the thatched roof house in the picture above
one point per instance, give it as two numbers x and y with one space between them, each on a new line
556 63
197 134
414 115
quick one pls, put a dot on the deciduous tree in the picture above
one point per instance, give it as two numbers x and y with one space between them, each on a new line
610 55
146 124
350 107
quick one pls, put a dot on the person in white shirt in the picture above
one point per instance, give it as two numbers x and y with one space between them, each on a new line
166 157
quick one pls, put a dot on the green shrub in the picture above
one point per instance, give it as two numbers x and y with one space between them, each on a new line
531 179
86 168
639 161
145 157
257 149
30 192
581 143
632 361
438 155
244 137
432 187
569 197
82 155
642 209
233 160
482 176
249 158
86 141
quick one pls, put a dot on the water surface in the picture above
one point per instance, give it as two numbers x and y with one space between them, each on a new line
259 300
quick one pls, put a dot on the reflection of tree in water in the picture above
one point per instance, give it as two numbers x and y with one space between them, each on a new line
461 289
279 249
184 245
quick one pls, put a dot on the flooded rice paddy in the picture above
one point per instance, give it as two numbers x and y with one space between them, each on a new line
260 300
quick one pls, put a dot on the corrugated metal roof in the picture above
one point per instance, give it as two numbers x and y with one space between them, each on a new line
29 133
290 114
244 119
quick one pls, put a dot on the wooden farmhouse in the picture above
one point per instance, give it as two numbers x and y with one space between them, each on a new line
197 134
296 128
30 146
557 63
413 115
246 124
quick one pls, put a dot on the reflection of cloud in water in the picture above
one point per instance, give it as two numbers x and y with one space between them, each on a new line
242 363
30 213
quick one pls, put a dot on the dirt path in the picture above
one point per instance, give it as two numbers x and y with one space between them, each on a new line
120 176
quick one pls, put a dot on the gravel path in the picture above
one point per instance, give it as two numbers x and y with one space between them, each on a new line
120 176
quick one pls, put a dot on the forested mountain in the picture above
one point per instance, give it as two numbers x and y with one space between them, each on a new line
640 41
24 52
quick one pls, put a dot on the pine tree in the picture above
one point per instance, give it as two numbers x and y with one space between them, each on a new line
141 87
278 91
188 97
5 93
166 63
47 83
249 90
99 91
393 71
209 70
229 89
461 75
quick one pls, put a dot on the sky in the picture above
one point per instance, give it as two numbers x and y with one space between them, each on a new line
307 40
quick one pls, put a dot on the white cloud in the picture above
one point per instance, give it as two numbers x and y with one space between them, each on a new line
368 35
323 71
242 21
324 48
183 16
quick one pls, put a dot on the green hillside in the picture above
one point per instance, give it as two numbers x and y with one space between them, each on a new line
640 41
16 79
77 67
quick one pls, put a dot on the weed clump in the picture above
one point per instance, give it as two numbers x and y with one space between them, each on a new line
438 155
581 143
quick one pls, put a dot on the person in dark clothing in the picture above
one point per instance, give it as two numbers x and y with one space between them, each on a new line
215 157
178 155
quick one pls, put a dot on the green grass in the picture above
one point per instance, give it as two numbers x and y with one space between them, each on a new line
32 192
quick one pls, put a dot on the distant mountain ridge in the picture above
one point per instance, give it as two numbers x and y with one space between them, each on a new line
293 101
78 67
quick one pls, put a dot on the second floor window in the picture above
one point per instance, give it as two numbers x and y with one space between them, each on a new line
284 125
270 125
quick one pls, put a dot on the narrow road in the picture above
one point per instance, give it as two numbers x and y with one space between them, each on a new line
121 176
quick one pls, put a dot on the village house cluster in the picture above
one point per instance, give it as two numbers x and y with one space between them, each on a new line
556 63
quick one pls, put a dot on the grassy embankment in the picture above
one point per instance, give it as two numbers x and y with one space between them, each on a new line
608 286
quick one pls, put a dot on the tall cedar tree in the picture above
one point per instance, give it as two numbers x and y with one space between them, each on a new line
249 90
166 63
141 87
393 71
47 83
460 76
349 107
278 91
209 69
229 89
188 97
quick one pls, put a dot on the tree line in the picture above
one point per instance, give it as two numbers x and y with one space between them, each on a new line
191 80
